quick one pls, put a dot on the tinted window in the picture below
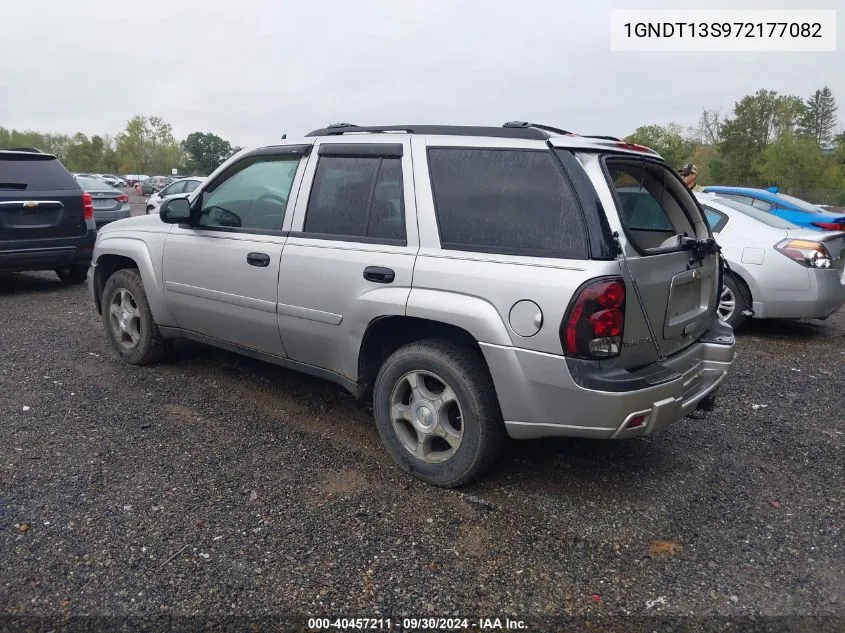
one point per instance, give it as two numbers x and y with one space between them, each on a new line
761 204
734 196
641 211
357 197
505 201
28 173
757 214
253 196
801 204
716 220
190 185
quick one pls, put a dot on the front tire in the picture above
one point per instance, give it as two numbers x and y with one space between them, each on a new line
128 321
733 302
73 275
437 412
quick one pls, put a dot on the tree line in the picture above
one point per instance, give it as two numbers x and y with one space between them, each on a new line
145 146
768 139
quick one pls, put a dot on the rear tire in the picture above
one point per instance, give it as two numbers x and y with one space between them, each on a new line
437 412
734 300
128 321
73 275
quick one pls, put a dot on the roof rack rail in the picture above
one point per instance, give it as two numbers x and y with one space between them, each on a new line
604 138
539 126
523 132
33 150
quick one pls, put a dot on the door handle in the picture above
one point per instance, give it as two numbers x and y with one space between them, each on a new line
261 260
379 275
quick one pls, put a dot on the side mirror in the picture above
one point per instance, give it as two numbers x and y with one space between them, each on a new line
175 210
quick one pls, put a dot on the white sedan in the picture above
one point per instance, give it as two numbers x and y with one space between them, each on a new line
778 270
183 185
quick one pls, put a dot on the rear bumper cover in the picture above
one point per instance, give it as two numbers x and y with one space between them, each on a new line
825 296
46 254
540 398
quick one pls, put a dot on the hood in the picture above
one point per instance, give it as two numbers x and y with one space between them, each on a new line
137 223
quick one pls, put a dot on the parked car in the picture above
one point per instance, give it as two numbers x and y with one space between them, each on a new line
473 282
133 179
110 204
154 183
184 185
777 270
46 219
114 181
791 209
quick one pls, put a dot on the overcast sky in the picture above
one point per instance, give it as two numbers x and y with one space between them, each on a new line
250 70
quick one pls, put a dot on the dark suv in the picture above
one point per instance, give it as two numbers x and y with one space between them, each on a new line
46 220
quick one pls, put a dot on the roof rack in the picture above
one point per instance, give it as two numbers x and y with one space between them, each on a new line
511 129
32 150
523 132
538 126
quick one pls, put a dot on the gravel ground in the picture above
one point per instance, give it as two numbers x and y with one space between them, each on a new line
216 485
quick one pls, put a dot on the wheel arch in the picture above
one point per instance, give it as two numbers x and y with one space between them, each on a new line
119 253
384 335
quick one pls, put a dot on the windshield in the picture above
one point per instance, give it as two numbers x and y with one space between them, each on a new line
801 204
757 214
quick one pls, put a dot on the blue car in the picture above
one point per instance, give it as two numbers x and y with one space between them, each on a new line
791 209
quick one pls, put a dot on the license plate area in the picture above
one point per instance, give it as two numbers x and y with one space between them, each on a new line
689 301
30 218
106 203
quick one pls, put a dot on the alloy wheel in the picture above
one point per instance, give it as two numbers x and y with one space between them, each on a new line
727 304
125 319
427 416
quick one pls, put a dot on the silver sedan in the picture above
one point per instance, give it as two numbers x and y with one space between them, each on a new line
110 204
778 270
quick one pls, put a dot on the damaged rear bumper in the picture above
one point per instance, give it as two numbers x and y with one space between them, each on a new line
543 395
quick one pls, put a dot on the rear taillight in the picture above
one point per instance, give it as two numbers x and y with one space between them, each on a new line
830 226
122 198
595 320
87 206
805 252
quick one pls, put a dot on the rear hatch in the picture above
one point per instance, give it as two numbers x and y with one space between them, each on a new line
39 199
670 265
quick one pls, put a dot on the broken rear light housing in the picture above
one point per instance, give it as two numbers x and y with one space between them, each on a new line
595 320
805 252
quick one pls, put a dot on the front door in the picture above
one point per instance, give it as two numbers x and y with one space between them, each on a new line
221 273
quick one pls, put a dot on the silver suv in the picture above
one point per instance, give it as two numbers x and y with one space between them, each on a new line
473 282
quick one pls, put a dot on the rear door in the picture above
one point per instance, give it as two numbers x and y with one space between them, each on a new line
677 290
351 251
39 199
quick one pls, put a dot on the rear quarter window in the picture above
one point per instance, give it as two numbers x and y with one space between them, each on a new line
507 201
33 173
